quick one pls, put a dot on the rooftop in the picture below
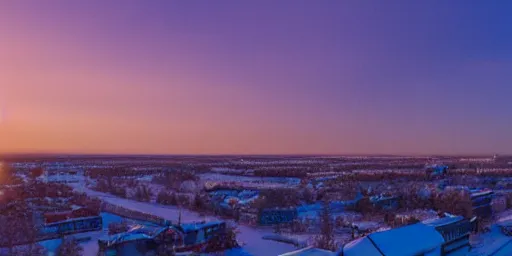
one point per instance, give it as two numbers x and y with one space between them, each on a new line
309 251
443 221
199 225
408 240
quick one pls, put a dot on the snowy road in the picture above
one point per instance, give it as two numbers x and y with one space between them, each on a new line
254 244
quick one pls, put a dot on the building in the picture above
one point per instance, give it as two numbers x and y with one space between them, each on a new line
436 170
439 237
415 239
455 231
481 202
309 251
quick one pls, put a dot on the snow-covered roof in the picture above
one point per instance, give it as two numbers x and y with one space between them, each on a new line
309 251
408 240
361 246
480 192
442 221
199 225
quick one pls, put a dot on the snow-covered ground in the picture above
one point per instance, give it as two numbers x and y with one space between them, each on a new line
251 238
492 243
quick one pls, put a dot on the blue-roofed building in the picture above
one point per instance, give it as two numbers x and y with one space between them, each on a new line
455 231
415 239
444 236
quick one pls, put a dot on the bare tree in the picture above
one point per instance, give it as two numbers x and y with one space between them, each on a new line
143 193
69 247
326 238
19 228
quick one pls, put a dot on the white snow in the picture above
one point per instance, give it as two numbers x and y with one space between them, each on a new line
492 243
361 246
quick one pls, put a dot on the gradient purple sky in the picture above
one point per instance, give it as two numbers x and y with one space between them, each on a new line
256 77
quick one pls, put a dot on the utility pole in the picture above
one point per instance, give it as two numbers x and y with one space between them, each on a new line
179 217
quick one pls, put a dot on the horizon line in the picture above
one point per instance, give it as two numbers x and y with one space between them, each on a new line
49 154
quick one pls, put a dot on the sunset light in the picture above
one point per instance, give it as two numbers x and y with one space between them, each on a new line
256 127
327 77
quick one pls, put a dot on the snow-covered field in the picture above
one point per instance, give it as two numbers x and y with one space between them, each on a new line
251 238
249 179
224 170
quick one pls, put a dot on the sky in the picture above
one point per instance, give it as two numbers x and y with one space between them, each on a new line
256 77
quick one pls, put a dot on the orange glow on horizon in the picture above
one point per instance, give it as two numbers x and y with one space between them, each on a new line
329 77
